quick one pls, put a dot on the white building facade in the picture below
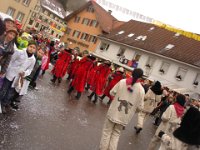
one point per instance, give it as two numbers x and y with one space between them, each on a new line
177 75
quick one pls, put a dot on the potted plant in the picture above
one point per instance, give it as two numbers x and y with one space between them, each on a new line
148 66
178 77
196 83
162 71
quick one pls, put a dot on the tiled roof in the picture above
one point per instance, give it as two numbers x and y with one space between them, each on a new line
155 39
54 6
106 21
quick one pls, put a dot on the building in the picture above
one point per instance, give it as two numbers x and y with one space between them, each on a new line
19 10
166 56
84 24
48 17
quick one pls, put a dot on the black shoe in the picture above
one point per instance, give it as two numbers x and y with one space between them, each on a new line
89 97
95 101
138 130
109 102
3 108
14 106
53 81
16 100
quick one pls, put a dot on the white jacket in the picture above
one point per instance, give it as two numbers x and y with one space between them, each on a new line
27 68
125 102
15 67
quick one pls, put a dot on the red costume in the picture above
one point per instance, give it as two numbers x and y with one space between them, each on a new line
115 78
101 77
91 75
81 73
72 67
61 66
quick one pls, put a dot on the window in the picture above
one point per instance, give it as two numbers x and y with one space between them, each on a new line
10 11
46 12
31 22
86 21
37 25
135 60
51 16
94 23
104 46
121 52
20 16
76 34
136 57
181 74
84 36
34 14
93 39
197 80
77 19
150 62
37 8
52 32
68 31
26 2
90 9
164 68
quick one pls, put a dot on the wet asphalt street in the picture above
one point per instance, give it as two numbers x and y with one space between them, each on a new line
49 120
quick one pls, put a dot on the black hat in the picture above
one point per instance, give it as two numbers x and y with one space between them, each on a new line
91 57
157 88
189 131
180 99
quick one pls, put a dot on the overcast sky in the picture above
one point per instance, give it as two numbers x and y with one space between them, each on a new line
183 14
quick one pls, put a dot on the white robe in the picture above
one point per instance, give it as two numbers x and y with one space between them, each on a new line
27 68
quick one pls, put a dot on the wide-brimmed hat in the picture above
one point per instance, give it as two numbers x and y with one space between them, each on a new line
12 29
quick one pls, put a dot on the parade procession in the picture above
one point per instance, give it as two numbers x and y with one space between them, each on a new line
75 77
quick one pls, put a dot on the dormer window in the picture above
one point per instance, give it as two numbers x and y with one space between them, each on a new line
120 32
131 35
151 29
177 35
141 38
168 47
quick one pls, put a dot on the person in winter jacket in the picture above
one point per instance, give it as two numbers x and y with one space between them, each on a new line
61 65
152 98
101 77
80 75
6 49
171 120
114 79
21 66
128 96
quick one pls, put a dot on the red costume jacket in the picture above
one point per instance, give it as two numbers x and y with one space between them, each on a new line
101 77
115 78
81 73
61 66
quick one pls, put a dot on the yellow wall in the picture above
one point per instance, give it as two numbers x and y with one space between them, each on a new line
82 28
18 6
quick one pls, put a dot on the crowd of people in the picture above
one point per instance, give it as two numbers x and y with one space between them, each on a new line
23 59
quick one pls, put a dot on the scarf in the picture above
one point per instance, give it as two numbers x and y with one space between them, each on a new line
179 109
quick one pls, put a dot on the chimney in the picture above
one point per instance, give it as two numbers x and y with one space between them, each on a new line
110 11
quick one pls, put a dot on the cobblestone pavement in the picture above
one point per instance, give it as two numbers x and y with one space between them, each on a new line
49 120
